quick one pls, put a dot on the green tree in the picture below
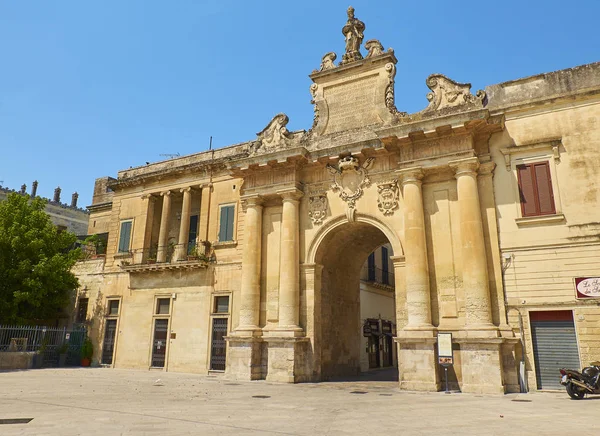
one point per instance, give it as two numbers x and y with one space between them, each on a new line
36 281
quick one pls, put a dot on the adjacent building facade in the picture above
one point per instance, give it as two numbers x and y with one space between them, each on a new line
250 259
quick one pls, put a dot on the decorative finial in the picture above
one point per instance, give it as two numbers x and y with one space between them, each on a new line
353 32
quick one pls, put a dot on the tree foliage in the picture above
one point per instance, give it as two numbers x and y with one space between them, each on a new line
36 281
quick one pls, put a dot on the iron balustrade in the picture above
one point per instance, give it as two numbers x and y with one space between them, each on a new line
377 275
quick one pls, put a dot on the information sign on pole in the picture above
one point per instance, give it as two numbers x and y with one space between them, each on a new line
445 356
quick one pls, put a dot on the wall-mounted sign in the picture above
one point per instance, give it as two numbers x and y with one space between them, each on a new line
444 342
587 287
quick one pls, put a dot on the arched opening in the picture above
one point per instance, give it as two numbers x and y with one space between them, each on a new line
356 307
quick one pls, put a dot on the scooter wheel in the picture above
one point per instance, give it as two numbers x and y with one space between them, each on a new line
575 392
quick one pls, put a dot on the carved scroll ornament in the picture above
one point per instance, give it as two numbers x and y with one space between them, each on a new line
272 137
375 48
389 91
327 61
387 199
446 93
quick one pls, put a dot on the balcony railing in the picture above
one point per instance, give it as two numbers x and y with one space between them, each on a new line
171 256
377 276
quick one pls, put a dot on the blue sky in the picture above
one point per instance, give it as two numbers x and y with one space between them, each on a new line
89 88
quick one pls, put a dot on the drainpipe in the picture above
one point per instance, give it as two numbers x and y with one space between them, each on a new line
522 372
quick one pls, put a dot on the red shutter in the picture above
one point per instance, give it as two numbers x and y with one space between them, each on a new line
527 190
544 188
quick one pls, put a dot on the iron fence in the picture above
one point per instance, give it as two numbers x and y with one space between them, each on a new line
49 342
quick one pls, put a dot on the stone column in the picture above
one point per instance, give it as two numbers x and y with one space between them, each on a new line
289 270
417 270
163 234
475 273
251 267
184 225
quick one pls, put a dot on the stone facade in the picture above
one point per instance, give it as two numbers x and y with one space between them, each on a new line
284 223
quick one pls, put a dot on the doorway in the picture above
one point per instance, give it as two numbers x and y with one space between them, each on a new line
159 344
108 345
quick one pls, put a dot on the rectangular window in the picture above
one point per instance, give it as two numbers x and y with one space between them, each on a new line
162 306
226 223
385 258
82 307
113 307
222 304
192 233
535 189
125 236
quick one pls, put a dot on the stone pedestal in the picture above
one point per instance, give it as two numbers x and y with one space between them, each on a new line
288 359
481 366
244 358
417 365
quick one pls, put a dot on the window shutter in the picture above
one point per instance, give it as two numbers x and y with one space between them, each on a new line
125 237
223 225
526 190
371 267
544 187
384 265
230 210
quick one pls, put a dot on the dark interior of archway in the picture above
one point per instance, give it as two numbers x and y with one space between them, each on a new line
342 254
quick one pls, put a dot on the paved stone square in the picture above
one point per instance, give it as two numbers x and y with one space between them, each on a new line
122 402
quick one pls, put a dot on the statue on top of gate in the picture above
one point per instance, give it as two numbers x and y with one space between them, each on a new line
353 31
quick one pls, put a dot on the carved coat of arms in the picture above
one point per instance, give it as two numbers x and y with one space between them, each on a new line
349 179
387 199
317 207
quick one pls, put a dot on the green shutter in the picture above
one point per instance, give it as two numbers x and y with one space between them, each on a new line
223 225
125 237
230 222
226 223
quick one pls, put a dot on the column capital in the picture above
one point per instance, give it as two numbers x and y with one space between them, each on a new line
487 168
187 189
252 200
412 175
290 194
149 197
464 167
165 194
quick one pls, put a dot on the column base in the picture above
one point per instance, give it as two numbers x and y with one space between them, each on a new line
481 366
417 364
244 358
288 358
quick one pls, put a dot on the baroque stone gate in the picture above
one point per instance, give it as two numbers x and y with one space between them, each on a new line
363 175
247 258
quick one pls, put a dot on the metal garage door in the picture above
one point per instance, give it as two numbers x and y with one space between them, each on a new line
554 346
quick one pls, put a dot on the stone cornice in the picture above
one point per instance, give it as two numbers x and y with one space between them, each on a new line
100 206
217 165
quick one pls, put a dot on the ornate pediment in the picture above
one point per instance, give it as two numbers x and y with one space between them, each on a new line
275 136
446 93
